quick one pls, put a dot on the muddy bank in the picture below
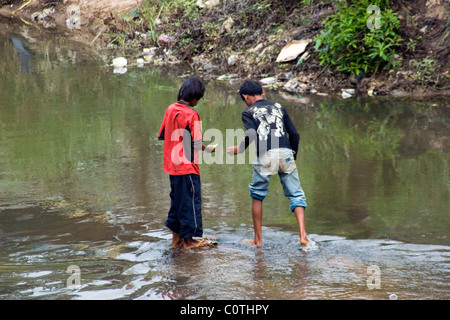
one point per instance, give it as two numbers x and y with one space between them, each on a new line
237 39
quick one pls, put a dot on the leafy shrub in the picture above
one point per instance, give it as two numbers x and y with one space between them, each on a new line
349 45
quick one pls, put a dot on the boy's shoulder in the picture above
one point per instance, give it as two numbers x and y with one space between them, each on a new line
178 108
266 103
262 104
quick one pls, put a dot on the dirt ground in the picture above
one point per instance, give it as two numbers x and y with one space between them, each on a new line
207 46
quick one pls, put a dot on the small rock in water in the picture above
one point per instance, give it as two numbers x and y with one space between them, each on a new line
268 80
350 91
347 93
119 65
119 62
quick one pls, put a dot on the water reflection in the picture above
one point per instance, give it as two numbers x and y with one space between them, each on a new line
81 184
148 269
21 46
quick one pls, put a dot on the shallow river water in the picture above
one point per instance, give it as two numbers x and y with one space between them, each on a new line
83 197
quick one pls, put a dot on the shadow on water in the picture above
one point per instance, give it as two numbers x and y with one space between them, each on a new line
81 185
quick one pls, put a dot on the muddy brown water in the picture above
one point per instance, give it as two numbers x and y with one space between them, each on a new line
83 197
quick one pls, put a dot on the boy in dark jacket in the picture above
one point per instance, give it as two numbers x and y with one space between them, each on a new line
268 124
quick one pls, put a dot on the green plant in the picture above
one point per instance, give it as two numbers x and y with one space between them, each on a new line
411 45
348 44
263 5
276 28
117 39
310 3
258 9
212 30
424 70
132 15
151 11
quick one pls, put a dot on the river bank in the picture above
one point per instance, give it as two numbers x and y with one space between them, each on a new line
235 39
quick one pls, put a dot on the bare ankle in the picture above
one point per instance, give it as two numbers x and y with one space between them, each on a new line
257 242
304 240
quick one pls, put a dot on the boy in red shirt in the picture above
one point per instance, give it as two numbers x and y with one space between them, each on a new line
181 132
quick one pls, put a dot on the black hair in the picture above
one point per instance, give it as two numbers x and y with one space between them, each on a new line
191 89
252 88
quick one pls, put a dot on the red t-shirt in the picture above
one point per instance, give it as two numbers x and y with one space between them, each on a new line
180 130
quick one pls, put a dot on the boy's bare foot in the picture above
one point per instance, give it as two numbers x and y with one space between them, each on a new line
304 240
191 243
176 244
251 243
176 240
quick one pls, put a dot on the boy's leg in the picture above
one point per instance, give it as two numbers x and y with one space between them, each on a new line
300 215
258 191
190 214
294 191
184 217
172 217
257 211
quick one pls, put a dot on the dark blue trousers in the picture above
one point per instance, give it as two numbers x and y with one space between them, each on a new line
185 216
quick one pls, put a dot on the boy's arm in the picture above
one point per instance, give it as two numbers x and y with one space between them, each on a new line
250 135
294 136
161 133
198 137
203 147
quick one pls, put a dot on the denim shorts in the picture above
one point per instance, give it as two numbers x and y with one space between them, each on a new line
279 161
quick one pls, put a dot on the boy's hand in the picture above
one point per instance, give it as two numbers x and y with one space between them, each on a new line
211 148
232 151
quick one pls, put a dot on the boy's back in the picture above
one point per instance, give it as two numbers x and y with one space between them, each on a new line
272 124
180 131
